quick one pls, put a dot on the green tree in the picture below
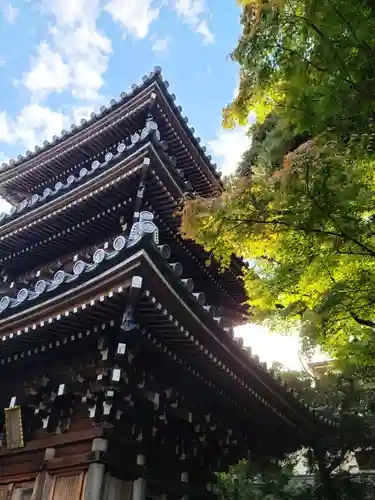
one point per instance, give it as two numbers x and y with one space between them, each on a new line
308 62
349 402
301 208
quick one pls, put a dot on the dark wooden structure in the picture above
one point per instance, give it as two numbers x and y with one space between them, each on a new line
119 374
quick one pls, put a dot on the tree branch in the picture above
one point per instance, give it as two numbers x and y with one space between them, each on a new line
361 321
333 465
349 25
337 55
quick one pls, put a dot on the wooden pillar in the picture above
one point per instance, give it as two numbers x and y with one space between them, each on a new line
185 480
43 482
139 485
95 473
211 488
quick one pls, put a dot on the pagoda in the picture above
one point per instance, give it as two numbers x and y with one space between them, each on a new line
120 377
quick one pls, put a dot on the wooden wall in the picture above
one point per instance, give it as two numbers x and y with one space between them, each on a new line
116 489
58 487
20 491
69 486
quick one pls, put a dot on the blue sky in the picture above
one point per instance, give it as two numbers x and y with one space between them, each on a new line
62 59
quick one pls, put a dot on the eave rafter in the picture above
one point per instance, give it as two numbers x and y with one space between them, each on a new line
53 161
75 189
152 93
214 341
164 189
101 334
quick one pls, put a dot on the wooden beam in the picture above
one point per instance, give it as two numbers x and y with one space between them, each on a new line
55 440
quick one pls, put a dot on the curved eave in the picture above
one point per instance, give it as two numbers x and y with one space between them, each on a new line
57 223
209 339
194 259
26 173
76 336
81 291
87 183
232 359
61 212
201 172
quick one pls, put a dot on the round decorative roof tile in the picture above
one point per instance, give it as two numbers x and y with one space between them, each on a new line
34 199
98 256
147 226
40 286
4 303
22 295
79 267
59 277
23 204
119 243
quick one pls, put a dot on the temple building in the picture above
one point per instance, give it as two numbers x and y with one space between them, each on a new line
120 378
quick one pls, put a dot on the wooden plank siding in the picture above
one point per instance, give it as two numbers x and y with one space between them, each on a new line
67 487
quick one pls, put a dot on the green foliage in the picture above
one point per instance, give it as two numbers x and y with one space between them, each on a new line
307 230
301 208
327 476
308 61
271 141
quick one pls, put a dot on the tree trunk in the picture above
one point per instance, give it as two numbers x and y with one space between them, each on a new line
325 477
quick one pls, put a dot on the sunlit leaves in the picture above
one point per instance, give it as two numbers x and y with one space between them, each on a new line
301 208
307 229
309 60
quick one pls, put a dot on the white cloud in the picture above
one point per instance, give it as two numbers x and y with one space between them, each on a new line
161 45
228 148
81 113
135 16
33 125
37 123
49 73
3 158
10 13
86 51
72 11
5 132
77 57
204 30
4 205
193 12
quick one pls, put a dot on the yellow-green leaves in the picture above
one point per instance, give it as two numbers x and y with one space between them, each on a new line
309 61
308 234
301 206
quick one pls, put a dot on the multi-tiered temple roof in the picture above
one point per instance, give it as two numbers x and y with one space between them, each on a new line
113 327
